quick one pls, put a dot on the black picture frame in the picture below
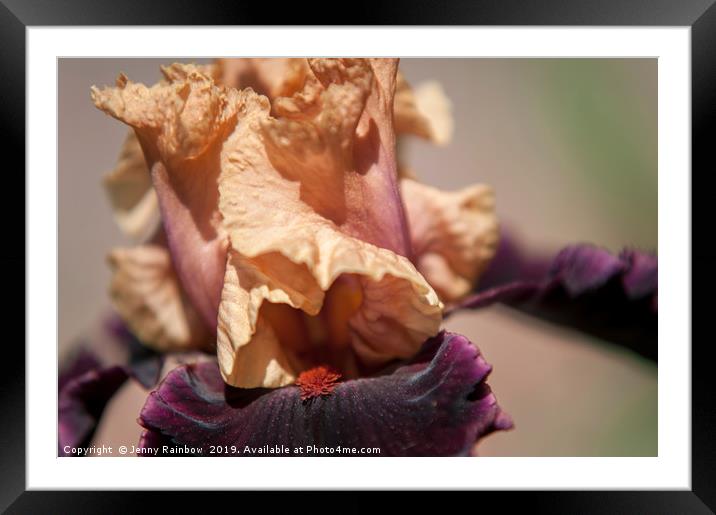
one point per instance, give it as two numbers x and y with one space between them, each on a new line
16 15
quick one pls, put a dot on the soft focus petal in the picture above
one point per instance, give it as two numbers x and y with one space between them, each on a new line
582 268
81 403
272 76
130 192
425 111
92 375
82 361
587 287
641 274
513 262
454 235
437 404
141 362
146 292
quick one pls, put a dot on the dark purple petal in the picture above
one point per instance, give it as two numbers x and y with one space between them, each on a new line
83 362
512 263
611 297
89 379
583 268
156 442
81 402
436 404
641 276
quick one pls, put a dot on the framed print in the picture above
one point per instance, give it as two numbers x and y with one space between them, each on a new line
430 238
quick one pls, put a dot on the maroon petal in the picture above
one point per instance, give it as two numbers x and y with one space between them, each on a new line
81 403
611 297
583 268
88 381
436 404
512 262
641 275
83 362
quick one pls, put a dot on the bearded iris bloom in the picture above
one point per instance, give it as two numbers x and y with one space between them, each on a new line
304 263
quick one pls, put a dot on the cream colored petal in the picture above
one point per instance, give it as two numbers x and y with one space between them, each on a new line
249 351
454 234
146 293
130 192
398 309
425 111
289 245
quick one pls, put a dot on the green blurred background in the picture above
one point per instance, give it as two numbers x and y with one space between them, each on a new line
570 146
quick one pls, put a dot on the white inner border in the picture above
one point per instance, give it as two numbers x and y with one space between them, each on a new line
671 469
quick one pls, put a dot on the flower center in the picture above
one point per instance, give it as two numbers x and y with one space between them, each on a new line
342 301
316 382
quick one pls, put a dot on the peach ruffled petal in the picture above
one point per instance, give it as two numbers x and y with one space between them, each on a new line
285 197
454 234
425 112
181 124
269 218
146 293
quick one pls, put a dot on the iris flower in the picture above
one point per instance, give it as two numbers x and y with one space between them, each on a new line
284 244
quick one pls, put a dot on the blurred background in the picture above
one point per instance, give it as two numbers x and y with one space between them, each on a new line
570 147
